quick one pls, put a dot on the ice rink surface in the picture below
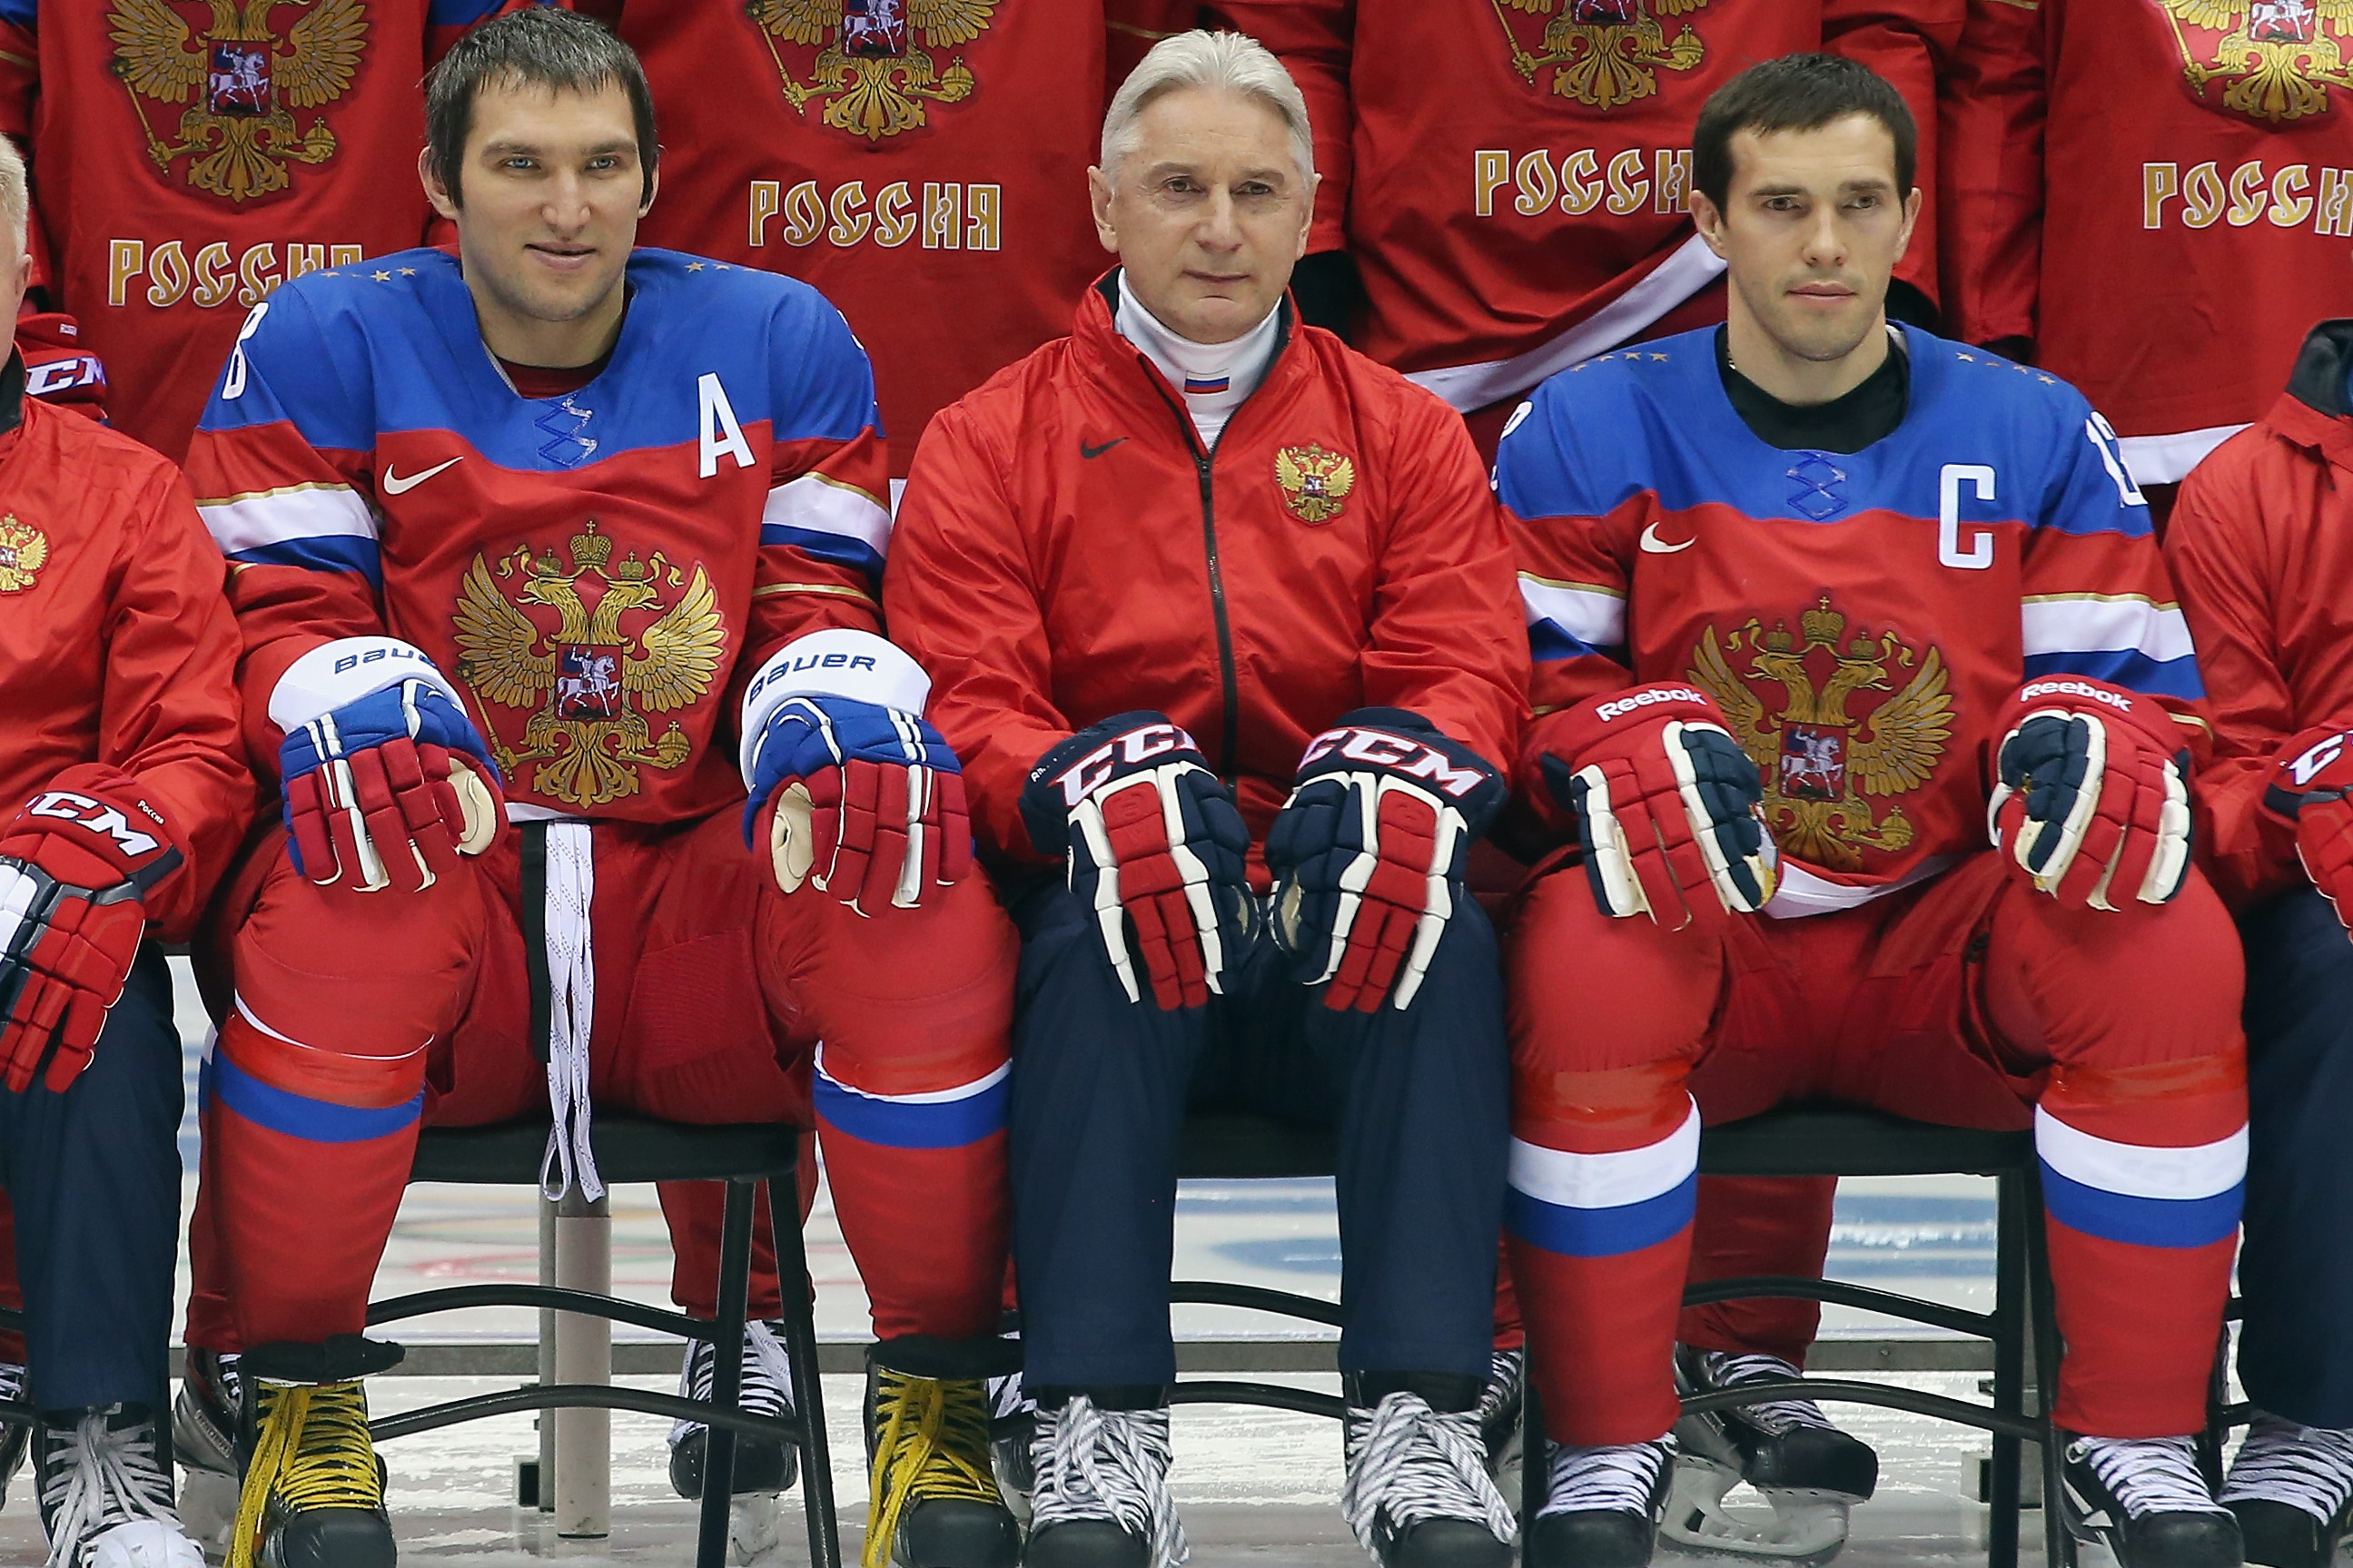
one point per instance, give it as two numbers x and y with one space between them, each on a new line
1256 1486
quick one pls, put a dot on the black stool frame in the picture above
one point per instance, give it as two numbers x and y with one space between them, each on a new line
1801 1142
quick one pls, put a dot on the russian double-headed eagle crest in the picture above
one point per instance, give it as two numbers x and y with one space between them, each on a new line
1314 482
1826 766
2275 61
241 83
868 77
23 551
586 682
1601 53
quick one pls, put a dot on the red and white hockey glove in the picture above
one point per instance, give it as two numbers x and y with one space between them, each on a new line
2089 799
75 866
2312 791
1155 848
864 800
1367 853
388 790
1669 808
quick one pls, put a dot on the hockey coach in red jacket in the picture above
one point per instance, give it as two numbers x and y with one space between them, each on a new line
1219 616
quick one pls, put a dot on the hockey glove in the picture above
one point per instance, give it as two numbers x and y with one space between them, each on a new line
1367 853
1156 850
2089 800
2312 791
74 868
387 790
1668 807
868 802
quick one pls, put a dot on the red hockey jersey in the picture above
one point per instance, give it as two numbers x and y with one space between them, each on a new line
600 573
1513 181
925 168
2158 196
2261 542
116 645
188 157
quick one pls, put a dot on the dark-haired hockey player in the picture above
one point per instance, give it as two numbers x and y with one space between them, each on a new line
1814 605
557 535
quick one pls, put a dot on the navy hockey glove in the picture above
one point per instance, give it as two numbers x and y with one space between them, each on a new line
387 790
1668 807
2088 798
74 868
1367 853
1156 850
868 802
2312 791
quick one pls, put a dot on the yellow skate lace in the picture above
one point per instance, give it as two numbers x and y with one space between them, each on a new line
931 1440
312 1452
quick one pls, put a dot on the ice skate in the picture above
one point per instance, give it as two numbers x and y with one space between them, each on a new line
1418 1493
762 1466
935 1497
1808 1471
1601 1506
1012 1422
1102 1498
313 1494
2292 1489
1500 1405
204 1440
106 1492
15 1442
2146 1500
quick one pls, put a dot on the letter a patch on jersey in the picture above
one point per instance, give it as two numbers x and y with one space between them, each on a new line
721 431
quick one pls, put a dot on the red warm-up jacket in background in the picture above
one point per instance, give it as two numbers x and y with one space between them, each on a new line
1067 550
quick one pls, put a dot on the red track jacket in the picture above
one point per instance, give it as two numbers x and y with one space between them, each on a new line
2260 544
1066 551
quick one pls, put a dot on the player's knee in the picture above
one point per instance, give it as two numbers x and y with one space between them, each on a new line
1591 993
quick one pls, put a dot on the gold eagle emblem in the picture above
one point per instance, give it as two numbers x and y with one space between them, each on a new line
1314 482
2276 60
23 551
868 78
1824 766
584 682
241 83
1601 53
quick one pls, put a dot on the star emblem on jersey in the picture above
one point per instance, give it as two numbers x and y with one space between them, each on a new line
588 683
2273 60
1601 53
241 83
868 78
1825 764
1314 482
23 551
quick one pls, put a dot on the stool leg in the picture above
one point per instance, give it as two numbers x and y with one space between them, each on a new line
2058 1543
726 1374
2009 1315
800 1349
545 1501
584 1354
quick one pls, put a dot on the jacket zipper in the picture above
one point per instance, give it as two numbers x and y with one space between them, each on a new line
1230 736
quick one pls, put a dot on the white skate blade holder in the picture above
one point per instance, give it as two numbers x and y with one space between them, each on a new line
755 1525
209 1508
1803 1526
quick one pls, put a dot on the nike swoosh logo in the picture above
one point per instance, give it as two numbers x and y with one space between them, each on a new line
394 485
1654 545
1087 451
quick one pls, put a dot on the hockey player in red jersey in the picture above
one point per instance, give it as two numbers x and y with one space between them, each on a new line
2259 543
1512 183
188 158
936 190
2153 201
1816 607
125 790
542 554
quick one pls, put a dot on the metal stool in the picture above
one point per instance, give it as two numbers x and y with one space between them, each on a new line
635 1149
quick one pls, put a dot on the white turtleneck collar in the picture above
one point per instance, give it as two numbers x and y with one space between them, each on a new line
1226 372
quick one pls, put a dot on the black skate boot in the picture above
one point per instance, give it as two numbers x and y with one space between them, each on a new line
106 1492
1601 1506
1500 1405
762 1467
204 1439
1807 1470
2146 1500
935 1502
2292 1488
1102 1498
1418 1493
15 1442
1012 1425
313 1490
